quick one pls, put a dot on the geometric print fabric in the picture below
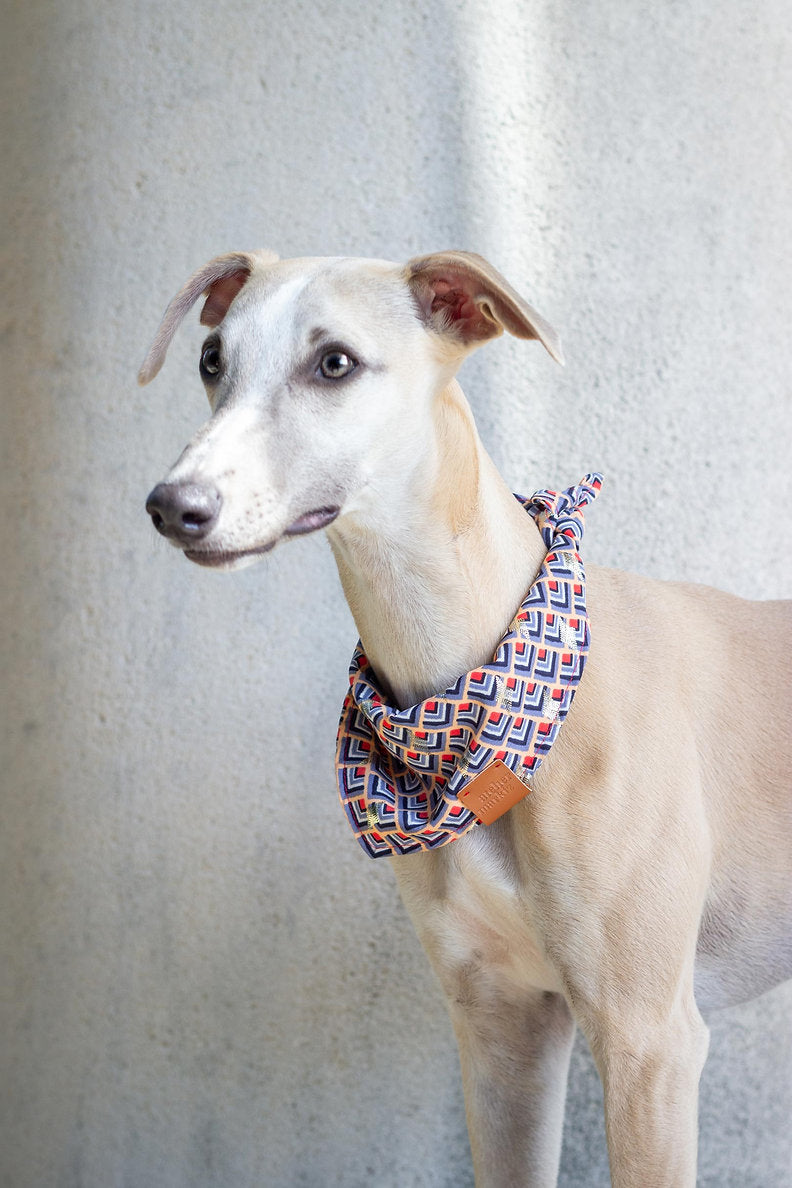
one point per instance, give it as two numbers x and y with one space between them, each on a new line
400 772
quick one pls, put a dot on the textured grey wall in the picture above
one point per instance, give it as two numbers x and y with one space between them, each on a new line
202 979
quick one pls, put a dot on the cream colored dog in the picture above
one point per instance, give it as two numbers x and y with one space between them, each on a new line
648 879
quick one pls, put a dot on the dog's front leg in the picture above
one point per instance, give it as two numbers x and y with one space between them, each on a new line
514 1051
514 1039
651 1079
650 1062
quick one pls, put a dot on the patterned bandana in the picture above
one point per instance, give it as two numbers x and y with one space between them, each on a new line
417 778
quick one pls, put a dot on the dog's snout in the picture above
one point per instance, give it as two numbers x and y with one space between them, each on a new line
184 512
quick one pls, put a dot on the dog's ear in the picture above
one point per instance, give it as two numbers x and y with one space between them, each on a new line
461 296
221 279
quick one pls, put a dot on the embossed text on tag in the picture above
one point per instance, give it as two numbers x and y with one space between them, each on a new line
493 792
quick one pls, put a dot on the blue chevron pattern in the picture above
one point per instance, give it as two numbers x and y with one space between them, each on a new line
401 772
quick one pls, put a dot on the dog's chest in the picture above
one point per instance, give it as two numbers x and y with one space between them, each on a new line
474 916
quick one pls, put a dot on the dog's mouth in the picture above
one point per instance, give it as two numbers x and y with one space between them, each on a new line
311 521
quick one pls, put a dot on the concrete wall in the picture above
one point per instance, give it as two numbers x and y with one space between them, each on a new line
202 979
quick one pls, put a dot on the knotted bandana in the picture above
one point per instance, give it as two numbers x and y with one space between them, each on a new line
404 775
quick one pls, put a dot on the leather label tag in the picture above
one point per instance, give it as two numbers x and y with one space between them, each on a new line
493 792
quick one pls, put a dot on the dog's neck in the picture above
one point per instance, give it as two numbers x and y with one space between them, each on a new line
434 576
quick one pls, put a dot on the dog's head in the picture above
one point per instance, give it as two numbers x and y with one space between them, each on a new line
321 375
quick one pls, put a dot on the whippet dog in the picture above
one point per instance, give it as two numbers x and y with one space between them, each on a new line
647 877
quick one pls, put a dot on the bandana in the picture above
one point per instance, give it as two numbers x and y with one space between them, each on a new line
418 778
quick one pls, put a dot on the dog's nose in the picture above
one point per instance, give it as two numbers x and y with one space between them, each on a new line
184 512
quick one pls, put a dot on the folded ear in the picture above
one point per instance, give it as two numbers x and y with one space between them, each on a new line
221 279
464 298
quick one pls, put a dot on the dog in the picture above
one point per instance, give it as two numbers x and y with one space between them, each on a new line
644 881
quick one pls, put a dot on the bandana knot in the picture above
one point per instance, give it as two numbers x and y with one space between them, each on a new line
403 774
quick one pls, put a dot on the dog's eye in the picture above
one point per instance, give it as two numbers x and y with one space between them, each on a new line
336 364
210 360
